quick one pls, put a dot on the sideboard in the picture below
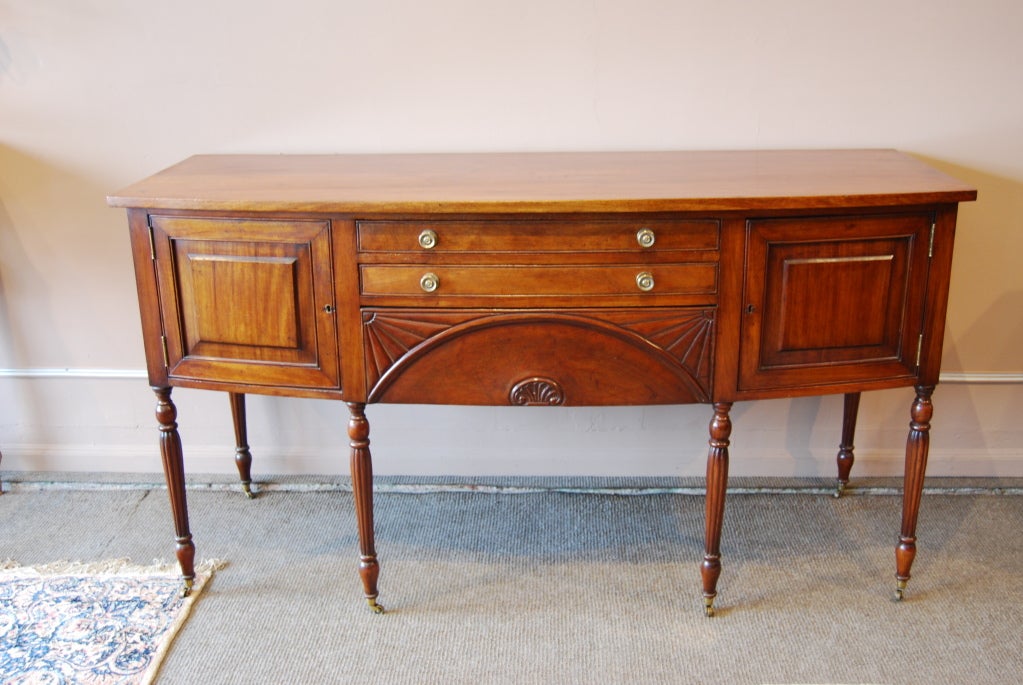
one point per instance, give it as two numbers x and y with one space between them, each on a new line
545 279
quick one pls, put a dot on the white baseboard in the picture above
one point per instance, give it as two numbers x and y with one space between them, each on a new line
206 459
124 374
89 420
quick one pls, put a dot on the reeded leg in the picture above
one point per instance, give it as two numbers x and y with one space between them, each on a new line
717 482
845 449
362 488
242 455
174 473
917 447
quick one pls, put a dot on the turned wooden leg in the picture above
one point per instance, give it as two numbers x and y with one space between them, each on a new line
717 483
845 457
174 473
242 455
917 447
362 488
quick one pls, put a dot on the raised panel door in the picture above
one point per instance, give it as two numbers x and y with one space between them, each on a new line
833 300
247 301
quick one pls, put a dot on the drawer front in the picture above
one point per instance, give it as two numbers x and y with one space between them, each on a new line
634 235
436 285
539 357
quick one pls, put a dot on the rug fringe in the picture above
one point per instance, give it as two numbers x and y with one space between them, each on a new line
109 567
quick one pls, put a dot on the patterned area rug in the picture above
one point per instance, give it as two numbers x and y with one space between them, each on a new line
108 622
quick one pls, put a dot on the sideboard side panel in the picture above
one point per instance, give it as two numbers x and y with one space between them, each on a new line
149 295
938 283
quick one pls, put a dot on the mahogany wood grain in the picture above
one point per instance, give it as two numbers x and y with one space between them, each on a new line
247 301
174 473
143 258
242 453
684 181
531 236
562 278
362 489
838 298
917 448
846 449
938 283
717 483
672 283
660 356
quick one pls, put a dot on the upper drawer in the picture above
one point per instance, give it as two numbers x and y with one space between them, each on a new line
616 235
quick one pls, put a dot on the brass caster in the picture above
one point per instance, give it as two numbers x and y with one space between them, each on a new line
247 489
839 490
708 606
900 590
186 587
373 606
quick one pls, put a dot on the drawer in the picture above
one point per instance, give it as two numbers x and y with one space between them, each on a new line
437 284
632 234
497 357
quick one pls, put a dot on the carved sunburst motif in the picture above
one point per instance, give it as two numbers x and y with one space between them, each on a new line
389 337
686 335
689 339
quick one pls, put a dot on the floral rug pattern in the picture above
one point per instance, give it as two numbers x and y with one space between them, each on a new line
101 628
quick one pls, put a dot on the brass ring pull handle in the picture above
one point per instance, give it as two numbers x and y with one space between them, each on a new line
428 239
645 237
645 281
429 282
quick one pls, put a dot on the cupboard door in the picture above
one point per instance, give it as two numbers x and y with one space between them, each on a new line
247 300
833 300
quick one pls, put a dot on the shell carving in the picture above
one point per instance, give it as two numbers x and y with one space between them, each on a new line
537 392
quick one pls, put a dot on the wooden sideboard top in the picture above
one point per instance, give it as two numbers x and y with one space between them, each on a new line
546 182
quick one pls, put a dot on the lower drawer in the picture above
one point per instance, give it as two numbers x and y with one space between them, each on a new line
548 357
446 285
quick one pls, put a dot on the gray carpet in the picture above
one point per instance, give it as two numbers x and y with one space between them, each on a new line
567 587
